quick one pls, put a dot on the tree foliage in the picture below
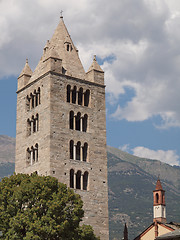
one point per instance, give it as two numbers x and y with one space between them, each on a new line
36 207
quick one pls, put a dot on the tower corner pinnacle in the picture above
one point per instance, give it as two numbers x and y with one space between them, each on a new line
95 72
25 75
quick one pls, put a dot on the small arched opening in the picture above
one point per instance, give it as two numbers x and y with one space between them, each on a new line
33 124
68 93
157 198
33 155
71 120
39 95
28 155
36 152
86 98
71 178
35 98
85 181
32 100
74 95
78 121
78 180
78 151
80 96
85 119
71 147
85 152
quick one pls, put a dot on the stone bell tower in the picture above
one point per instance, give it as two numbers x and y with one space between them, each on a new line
159 206
61 125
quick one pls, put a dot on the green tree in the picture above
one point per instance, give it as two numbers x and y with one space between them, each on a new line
35 207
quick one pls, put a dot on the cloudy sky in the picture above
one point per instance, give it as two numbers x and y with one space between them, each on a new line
137 44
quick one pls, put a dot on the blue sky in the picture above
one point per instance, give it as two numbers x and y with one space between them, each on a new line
137 45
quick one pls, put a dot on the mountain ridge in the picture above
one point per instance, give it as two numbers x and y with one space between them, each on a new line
131 181
7 149
162 170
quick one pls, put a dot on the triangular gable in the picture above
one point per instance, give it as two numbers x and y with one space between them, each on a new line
150 227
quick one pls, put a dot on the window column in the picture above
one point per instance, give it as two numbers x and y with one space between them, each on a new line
74 123
74 180
81 124
37 123
81 153
81 181
32 126
83 99
70 95
74 154
31 156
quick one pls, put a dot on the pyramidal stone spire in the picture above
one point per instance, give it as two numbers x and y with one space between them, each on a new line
95 65
26 70
24 76
61 48
95 73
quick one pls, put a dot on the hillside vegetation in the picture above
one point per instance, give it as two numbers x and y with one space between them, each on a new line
131 181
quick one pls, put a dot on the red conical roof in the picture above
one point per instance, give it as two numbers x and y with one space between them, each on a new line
158 185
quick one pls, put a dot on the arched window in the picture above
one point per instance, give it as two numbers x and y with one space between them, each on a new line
35 99
74 95
157 198
71 178
86 98
78 151
36 152
71 120
85 181
33 155
80 96
78 180
78 121
71 146
68 93
28 155
34 124
39 96
32 100
85 119
85 152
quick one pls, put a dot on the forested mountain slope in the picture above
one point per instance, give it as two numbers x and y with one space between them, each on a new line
131 182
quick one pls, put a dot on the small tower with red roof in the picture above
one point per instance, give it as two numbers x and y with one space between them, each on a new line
159 206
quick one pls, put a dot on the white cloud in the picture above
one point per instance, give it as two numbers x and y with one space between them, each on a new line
124 147
168 156
143 36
